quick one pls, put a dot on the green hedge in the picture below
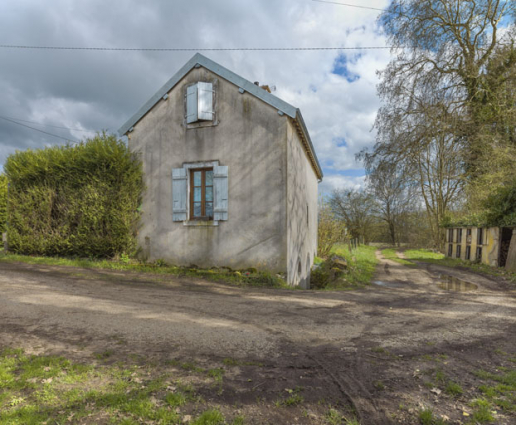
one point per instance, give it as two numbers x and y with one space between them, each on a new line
77 200
3 203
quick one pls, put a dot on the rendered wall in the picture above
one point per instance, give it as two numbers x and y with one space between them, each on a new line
250 138
302 209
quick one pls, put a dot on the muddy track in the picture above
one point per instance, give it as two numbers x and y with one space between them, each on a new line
360 351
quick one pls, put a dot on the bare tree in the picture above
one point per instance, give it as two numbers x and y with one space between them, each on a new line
357 209
435 90
394 195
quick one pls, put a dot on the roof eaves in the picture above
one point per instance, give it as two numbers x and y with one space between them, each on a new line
314 158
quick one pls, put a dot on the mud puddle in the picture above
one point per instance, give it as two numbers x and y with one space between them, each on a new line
452 283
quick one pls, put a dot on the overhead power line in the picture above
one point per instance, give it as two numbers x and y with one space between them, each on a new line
350 5
187 49
37 129
50 125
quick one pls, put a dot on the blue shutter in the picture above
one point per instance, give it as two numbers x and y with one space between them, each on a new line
220 183
205 101
179 194
191 104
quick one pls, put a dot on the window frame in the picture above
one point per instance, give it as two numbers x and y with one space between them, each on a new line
203 186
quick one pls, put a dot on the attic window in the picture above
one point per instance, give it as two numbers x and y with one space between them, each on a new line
199 102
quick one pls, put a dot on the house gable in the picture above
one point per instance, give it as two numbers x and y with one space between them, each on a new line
244 85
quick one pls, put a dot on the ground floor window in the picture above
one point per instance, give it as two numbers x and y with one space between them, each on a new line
468 253
479 254
450 250
201 198
457 253
200 192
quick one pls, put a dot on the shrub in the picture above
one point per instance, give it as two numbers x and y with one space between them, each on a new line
320 277
330 230
3 203
75 200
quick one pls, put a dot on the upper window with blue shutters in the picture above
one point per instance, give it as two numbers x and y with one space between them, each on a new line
200 103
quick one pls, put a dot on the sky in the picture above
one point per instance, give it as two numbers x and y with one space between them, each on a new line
88 91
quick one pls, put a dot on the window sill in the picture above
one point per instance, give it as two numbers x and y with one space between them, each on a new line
200 223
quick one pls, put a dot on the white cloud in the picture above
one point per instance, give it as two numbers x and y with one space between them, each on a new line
333 182
101 90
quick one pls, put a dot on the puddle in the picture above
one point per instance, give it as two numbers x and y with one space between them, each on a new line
387 284
451 283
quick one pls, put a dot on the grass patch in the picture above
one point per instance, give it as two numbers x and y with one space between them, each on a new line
501 390
359 273
423 254
390 254
453 389
333 417
482 413
210 417
234 362
361 270
440 259
294 399
426 417
244 278
49 389
217 374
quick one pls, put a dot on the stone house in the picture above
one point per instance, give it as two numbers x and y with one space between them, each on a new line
488 245
231 175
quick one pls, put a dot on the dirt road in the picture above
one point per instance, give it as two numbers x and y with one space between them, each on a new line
369 350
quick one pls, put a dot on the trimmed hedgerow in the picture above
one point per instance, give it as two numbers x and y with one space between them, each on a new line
77 200
3 203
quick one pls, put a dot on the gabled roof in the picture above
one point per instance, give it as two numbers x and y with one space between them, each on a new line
200 60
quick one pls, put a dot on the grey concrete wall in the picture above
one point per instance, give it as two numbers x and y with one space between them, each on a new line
301 211
250 138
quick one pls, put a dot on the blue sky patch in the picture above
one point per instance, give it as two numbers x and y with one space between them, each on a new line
341 143
340 67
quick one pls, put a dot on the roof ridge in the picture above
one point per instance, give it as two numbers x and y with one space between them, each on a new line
255 90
